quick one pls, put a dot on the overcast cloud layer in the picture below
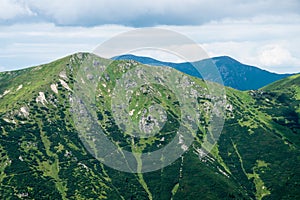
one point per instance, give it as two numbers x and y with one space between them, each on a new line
140 13
265 33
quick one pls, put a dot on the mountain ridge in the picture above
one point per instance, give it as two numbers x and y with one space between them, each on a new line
234 73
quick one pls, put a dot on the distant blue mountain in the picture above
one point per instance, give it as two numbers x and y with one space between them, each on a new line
233 73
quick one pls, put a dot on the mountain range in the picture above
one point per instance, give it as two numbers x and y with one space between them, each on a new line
43 156
233 73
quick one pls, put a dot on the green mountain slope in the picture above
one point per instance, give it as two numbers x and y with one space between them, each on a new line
42 157
289 86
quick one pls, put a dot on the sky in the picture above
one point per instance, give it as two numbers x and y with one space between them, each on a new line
263 33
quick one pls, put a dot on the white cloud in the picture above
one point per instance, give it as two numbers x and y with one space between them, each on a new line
268 56
274 55
10 9
148 13
32 44
24 45
247 40
157 12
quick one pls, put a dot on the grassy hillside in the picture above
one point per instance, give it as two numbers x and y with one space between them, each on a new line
288 85
42 157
